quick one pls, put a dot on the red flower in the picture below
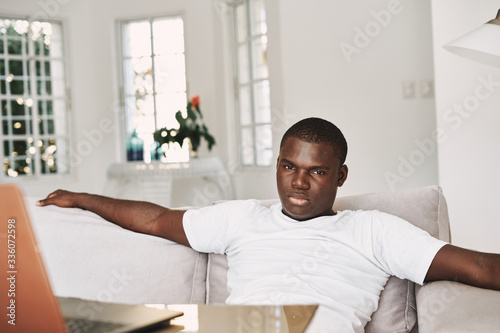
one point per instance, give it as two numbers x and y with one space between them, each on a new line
195 101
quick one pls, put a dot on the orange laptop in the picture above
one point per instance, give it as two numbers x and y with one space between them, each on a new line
26 300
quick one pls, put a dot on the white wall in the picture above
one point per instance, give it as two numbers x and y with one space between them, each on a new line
310 76
469 158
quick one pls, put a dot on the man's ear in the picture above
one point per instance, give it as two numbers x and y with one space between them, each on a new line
344 170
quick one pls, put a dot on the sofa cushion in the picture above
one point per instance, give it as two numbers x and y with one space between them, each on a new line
423 207
89 258
446 306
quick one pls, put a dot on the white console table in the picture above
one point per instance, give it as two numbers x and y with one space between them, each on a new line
153 181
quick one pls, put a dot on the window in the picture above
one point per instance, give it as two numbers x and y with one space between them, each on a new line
154 79
252 83
32 98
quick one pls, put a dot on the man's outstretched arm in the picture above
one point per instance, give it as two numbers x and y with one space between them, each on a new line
474 268
139 216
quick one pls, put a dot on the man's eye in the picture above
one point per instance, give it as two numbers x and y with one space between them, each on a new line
288 167
318 172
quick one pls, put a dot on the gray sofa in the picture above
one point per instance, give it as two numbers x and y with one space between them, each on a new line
90 258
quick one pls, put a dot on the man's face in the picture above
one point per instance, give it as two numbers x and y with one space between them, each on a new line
308 175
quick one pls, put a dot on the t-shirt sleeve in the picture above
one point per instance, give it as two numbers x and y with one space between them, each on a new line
207 228
403 249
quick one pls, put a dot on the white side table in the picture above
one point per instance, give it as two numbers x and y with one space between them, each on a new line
153 181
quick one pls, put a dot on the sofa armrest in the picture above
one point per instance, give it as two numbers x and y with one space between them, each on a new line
455 307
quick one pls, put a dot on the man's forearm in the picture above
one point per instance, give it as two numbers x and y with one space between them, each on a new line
491 262
471 267
139 216
134 215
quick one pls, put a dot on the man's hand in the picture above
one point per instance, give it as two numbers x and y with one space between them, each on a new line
60 198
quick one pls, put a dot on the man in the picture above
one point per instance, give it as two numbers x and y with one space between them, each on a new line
350 254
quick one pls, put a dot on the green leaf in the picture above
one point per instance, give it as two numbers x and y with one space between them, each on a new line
191 127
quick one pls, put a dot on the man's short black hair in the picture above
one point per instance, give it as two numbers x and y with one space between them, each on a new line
317 130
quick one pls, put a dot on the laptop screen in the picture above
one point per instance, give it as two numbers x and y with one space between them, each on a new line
26 299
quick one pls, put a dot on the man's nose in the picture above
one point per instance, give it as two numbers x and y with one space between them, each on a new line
300 180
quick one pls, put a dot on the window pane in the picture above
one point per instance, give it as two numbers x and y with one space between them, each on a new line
23 166
258 17
17 109
243 66
138 76
50 126
42 107
137 39
167 106
17 87
18 127
39 47
130 114
61 154
6 148
241 23
50 107
56 88
56 41
259 58
16 67
48 87
264 145
170 73
20 148
18 28
39 68
262 102
145 124
16 46
245 106
48 150
247 152
54 69
42 34
40 87
58 109
171 43
41 127
145 105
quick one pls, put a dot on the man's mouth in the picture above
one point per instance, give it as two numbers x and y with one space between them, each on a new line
298 200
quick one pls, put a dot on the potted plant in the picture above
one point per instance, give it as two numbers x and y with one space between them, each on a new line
191 127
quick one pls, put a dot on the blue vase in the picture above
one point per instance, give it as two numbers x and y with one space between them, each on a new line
135 148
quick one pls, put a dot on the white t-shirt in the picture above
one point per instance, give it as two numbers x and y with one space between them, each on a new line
341 262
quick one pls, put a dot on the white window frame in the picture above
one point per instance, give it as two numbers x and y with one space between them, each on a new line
182 153
253 125
57 154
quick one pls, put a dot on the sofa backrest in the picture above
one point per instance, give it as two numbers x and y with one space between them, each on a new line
424 207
